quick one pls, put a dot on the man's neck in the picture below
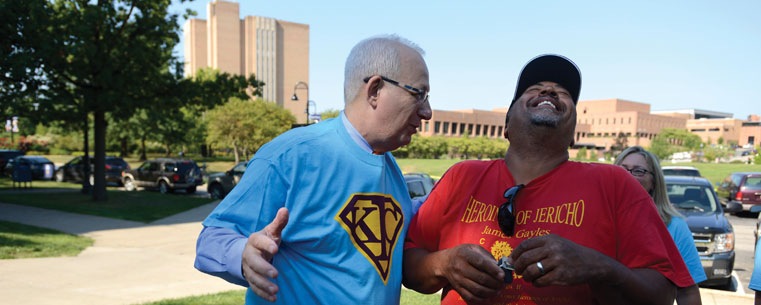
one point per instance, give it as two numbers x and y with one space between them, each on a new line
530 156
360 122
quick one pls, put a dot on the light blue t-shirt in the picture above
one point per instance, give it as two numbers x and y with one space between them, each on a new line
682 236
349 212
755 278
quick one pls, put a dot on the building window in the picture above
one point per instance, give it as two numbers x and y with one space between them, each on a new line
462 128
454 127
426 125
500 130
630 120
478 130
446 127
470 129
713 129
697 130
436 127
493 129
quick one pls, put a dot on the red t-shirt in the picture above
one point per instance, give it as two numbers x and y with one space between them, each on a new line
598 206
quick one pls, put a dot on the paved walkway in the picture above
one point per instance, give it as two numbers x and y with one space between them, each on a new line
132 262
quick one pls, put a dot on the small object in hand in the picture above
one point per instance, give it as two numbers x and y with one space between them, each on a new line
507 268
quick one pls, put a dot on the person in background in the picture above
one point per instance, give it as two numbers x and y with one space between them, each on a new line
340 204
644 166
755 278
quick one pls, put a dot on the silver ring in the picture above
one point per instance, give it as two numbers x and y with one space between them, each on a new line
541 268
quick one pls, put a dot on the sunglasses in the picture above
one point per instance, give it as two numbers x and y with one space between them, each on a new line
506 217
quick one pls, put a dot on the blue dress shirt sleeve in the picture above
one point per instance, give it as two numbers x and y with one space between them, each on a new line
219 252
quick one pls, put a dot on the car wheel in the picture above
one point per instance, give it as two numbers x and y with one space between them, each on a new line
129 185
164 187
59 176
191 190
215 191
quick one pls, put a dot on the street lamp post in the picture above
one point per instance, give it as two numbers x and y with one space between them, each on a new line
302 85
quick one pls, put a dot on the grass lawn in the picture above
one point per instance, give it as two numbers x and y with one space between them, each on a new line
236 297
23 241
434 167
7 183
143 206
715 172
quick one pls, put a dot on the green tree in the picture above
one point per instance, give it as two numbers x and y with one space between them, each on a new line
246 125
100 57
330 113
672 140
581 154
619 145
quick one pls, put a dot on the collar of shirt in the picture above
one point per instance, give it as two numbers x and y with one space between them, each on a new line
355 134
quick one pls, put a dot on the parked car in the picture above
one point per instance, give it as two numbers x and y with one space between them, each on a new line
419 184
729 188
714 236
220 184
165 174
74 170
40 167
7 155
680 171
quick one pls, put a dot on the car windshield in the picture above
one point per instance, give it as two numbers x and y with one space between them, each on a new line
681 172
752 184
416 188
692 197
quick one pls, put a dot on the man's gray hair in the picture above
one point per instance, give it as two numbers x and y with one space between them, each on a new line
378 55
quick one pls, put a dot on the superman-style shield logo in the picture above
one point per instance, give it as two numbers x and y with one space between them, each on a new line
373 222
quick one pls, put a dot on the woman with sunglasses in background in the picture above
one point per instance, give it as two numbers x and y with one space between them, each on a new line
644 166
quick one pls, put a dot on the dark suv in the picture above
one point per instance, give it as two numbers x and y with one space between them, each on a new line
74 170
222 183
166 174
7 155
741 186
713 234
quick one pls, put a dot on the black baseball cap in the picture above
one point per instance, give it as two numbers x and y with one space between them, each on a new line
553 68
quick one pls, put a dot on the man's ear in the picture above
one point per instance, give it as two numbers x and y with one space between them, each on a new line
372 90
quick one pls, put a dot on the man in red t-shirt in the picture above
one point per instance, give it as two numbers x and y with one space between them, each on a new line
576 233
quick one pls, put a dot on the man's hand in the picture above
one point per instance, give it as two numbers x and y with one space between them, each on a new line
473 272
257 255
564 262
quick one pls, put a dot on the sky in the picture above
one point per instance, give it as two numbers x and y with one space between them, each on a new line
670 54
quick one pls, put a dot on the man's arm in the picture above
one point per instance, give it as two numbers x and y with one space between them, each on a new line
218 253
566 263
468 268
688 295
231 256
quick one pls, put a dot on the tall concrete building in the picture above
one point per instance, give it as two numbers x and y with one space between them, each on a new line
276 51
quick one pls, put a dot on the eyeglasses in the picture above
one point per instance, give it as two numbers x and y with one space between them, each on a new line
506 217
637 171
420 95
